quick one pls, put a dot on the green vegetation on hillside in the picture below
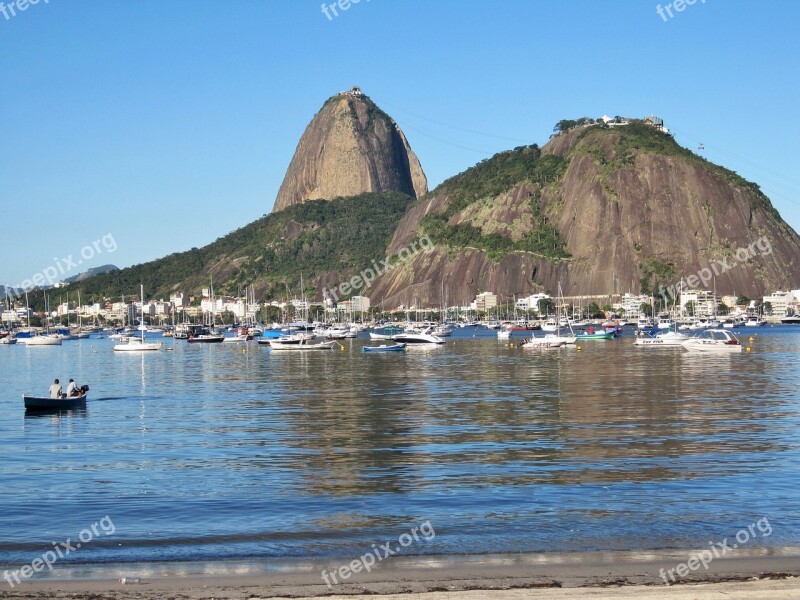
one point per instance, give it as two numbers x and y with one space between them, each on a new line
640 137
658 276
313 238
488 179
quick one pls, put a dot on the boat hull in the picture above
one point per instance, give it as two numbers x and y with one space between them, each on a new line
600 335
301 347
211 339
418 338
541 344
138 347
713 348
41 341
34 403
384 348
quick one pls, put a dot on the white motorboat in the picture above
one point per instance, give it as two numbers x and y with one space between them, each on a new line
668 338
791 320
754 321
550 325
418 337
714 341
379 336
8 340
732 322
443 330
700 324
665 323
337 333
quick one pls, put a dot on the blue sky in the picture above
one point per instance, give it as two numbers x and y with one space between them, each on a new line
168 124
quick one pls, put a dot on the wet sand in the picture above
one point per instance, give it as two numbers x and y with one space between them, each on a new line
760 574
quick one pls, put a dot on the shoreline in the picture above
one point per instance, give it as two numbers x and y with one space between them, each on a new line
554 575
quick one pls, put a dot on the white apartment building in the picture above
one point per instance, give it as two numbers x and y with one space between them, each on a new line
705 302
485 301
531 302
631 304
360 303
783 302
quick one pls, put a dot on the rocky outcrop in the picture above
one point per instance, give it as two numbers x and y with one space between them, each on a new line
633 210
351 147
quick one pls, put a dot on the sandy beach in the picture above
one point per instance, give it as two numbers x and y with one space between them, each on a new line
765 574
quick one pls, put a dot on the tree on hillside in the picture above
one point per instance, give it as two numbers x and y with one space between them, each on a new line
546 306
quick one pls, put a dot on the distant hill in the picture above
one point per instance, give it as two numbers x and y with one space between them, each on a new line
323 240
91 273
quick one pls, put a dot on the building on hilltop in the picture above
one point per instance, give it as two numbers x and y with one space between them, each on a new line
353 91
657 123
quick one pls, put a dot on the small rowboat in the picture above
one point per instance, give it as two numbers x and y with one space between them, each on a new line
596 335
33 403
301 346
384 348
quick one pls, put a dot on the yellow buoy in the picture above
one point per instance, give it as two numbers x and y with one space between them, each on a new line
578 348
751 340
748 348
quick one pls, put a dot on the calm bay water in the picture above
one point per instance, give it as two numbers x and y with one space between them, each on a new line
206 452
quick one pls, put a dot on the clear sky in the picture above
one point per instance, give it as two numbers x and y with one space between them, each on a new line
168 124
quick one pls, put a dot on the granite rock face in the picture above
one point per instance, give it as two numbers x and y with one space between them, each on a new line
628 202
351 147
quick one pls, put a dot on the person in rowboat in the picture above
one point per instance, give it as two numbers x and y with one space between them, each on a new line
72 389
55 390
